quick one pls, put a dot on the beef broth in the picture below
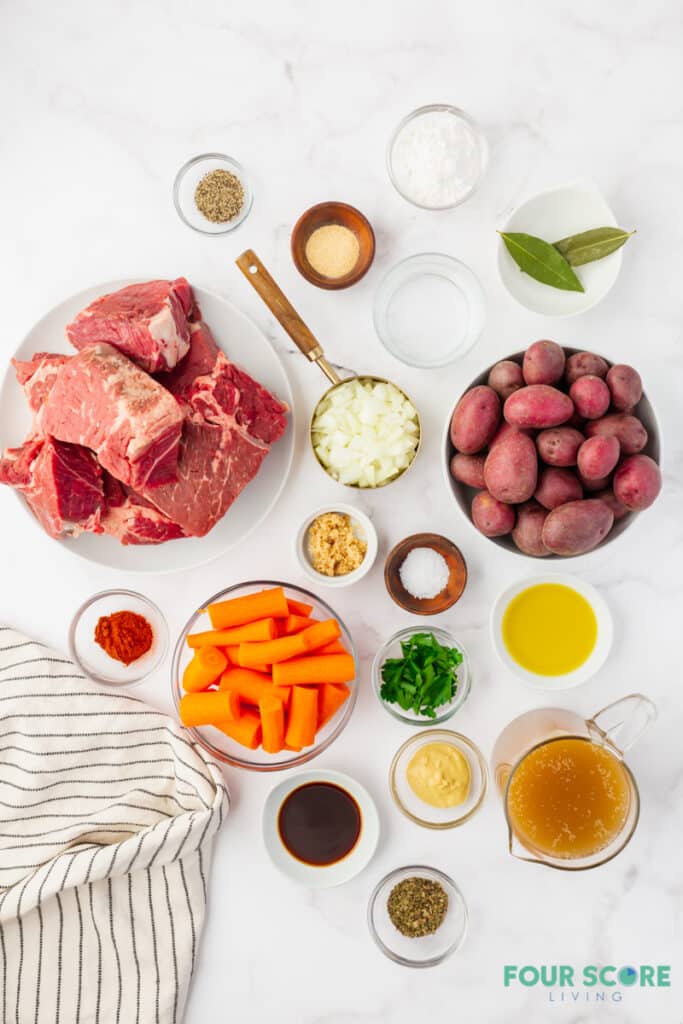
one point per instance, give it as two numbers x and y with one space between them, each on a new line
319 823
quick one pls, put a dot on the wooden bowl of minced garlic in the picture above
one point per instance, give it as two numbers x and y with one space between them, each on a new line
336 545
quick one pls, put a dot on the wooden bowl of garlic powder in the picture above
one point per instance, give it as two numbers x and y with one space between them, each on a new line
336 545
333 245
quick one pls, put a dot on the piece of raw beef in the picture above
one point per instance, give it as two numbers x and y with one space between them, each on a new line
62 484
134 523
37 375
101 400
148 322
231 421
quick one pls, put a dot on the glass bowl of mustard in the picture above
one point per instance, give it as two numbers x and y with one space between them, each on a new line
438 778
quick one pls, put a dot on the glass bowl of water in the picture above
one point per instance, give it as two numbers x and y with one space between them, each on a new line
429 310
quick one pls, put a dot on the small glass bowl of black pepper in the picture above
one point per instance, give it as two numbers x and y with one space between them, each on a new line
212 193
417 906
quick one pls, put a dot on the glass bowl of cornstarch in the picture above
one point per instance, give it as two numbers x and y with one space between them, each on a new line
436 157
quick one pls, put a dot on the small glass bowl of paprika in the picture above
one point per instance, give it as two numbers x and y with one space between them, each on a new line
118 637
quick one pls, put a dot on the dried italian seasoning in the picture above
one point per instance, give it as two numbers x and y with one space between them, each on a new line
219 196
417 906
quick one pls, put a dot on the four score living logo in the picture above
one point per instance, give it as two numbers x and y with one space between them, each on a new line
593 983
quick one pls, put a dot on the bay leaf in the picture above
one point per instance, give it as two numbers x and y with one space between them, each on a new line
541 260
588 246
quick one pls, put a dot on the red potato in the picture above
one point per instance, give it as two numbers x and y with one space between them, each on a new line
619 510
591 397
543 363
491 517
597 457
637 482
475 419
591 486
583 363
504 430
539 406
625 386
511 468
629 431
559 446
577 527
469 470
505 377
527 531
557 487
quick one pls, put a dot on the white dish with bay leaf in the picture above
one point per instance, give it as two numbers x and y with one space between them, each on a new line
555 214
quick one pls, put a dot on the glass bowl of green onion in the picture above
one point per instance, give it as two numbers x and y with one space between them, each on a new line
422 676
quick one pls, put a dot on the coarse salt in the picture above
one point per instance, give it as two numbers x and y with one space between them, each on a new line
436 159
424 573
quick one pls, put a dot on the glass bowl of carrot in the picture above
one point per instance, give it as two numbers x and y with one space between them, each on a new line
264 675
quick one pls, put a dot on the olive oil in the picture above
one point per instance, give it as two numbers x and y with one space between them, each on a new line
549 629
568 798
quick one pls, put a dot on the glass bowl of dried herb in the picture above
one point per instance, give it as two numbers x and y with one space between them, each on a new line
417 916
212 193
422 676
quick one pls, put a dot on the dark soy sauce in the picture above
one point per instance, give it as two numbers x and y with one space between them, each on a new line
319 823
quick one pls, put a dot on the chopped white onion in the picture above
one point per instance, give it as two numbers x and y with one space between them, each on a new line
365 432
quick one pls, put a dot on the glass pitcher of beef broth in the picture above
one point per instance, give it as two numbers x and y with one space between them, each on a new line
570 800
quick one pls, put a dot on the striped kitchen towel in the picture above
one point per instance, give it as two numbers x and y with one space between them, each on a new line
107 817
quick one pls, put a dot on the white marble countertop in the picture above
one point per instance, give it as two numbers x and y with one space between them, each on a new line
101 108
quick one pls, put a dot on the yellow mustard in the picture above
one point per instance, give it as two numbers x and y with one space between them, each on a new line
440 775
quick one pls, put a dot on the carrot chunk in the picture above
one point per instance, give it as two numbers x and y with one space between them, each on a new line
261 629
211 708
246 730
303 717
331 697
251 686
299 607
320 668
239 610
272 723
204 669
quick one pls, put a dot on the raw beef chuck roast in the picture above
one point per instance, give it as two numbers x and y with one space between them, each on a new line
142 458
102 400
147 322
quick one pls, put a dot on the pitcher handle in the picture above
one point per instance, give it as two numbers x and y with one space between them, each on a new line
622 723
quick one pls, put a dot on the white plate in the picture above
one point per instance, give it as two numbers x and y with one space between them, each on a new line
333 874
552 215
363 528
245 345
599 654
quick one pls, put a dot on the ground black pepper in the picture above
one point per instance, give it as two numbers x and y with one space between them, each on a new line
219 196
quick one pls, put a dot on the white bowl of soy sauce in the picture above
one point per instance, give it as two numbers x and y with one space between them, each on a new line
320 828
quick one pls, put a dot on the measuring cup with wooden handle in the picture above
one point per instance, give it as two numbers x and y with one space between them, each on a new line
304 339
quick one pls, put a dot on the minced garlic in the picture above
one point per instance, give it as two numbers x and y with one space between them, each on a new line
334 548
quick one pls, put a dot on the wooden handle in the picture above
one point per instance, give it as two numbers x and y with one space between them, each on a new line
284 312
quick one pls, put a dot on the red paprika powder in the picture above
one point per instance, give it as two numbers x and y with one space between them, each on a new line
125 636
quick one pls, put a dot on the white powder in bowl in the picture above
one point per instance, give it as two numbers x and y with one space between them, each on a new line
424 573
436 159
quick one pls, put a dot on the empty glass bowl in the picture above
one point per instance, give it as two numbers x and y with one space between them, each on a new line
428 950
429 310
